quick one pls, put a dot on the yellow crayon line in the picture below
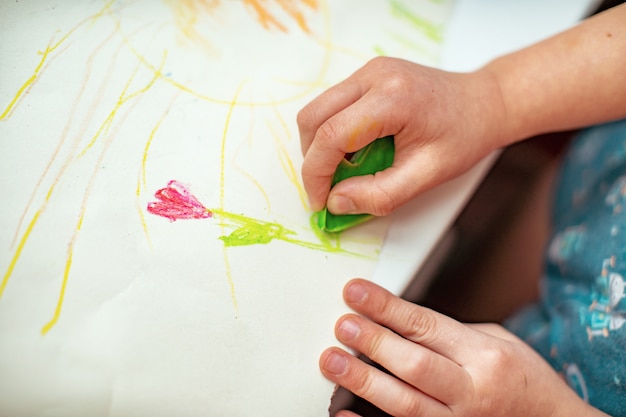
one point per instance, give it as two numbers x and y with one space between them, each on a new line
57 179
283 122
146 149
66 273
123 98
288 166
66 128
157 72
102 11
68 264
26 235
231 282
258 185
33 77
78 227
109 119
18 252
251 178
44 55
142 179
142 217
231 108
186 16
292 171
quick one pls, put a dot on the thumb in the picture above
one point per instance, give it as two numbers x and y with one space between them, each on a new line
378 194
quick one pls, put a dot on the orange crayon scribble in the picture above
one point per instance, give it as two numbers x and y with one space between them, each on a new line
187 14
291 7
366 127
307 87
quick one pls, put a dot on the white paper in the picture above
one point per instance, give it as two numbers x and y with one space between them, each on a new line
107 309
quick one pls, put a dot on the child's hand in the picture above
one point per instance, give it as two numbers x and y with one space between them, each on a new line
441 367
443 124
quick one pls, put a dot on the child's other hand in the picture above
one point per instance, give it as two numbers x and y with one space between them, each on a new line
441 367
443 124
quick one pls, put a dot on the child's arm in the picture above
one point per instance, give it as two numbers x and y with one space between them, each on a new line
574 79
444 122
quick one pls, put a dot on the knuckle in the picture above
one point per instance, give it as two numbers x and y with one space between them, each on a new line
398 81
383 202
305 116
364 383
383 307
503 360
308 169
500 354
375 345
379 62
412 407
419 364
422 325
327 133
395 84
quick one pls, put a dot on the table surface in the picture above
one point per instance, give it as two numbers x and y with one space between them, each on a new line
479 31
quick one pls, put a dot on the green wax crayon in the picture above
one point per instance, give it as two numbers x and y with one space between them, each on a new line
376 156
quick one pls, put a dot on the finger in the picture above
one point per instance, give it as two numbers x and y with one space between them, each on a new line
323 107
431 373
378 194
430 329
347 131
413 172
383 390
370 194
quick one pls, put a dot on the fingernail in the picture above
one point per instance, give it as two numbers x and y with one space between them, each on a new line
335 363
347 330
315 206
339 204
355 293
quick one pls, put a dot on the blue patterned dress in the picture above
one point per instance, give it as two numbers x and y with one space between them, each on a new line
579 324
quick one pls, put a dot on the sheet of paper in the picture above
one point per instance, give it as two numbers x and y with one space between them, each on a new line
156 248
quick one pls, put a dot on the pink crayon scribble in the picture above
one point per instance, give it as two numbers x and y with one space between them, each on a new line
177 202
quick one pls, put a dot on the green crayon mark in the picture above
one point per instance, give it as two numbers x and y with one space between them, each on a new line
249 231
431 30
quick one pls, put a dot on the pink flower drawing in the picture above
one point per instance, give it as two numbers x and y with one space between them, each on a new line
176 202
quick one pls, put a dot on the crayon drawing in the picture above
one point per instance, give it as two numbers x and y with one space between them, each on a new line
155 226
